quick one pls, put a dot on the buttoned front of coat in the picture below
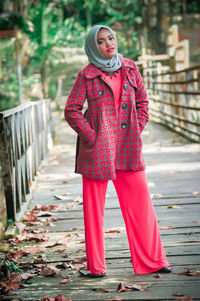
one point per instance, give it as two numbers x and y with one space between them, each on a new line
107 140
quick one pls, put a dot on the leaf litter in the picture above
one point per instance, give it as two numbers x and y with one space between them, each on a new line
130 287
187 272
13 274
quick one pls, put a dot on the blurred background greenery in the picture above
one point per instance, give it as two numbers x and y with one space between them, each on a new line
38 39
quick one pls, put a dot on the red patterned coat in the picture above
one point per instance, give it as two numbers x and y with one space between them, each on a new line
106 142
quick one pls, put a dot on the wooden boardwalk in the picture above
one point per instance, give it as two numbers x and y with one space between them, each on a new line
173 171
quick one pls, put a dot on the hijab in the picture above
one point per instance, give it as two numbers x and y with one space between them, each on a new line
94 54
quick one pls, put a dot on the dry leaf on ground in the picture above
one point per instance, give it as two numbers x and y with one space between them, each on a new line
136 287
196 193
79 260
187 272
121 288
171 206
10 285
18 277
183 298
49 270
60 297
157 275
111 231
29 217
64 281
165 227
34 250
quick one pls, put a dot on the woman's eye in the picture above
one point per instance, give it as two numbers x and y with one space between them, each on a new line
100 42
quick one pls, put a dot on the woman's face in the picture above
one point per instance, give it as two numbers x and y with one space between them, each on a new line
106 43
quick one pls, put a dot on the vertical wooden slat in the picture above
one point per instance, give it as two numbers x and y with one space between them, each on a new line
25 132
6 171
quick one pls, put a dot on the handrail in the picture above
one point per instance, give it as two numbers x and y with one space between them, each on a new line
174 96
25 137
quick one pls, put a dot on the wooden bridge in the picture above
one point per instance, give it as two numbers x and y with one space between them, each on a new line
49 247
54 229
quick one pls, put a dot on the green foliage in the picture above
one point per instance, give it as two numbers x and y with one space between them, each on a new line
8 81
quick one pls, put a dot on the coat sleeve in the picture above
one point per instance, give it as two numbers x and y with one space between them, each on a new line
73 110
142 103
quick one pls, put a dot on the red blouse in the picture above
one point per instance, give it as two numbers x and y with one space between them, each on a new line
115 82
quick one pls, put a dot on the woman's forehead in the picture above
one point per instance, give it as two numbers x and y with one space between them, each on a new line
104 32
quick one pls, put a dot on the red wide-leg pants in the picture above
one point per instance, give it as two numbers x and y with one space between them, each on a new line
142 229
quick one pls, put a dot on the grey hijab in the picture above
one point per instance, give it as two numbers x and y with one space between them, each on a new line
94 54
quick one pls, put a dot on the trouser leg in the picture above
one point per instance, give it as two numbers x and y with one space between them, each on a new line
143 232
94 192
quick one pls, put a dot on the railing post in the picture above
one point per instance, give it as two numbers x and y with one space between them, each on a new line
25 136
7 171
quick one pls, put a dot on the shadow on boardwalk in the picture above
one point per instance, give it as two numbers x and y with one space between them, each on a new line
173 171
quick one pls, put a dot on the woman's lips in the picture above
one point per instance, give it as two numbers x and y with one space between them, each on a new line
110 49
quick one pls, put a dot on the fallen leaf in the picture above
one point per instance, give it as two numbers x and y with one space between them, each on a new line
50 224
20 254
79 260
29 217
196 193
39 266
13 285
174 206
45 298
112 231
21 227
62 197
44 214
197 273
184 272
177 294
49 270
60 297
165 227
80 251
156 195
41 259
157 275
183 298
136 287
64 281
33 250
60 250
18 277
65 256
121 288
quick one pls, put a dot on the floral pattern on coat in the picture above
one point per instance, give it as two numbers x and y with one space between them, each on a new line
107 142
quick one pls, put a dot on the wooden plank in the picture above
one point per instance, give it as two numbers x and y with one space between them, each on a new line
87 293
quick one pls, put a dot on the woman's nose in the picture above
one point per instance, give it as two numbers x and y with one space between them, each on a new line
108 42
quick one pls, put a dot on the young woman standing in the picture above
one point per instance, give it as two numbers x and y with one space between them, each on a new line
109 148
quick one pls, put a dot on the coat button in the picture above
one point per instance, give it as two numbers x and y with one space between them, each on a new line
100 92
125 87
124 105
123 125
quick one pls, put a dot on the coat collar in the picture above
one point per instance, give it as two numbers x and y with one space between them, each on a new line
91 71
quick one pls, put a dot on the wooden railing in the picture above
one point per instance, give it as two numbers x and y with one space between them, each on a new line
174 95
25 137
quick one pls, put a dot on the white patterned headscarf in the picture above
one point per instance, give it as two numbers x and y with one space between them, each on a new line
95 56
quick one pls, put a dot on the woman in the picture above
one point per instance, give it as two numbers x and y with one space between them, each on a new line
109 148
